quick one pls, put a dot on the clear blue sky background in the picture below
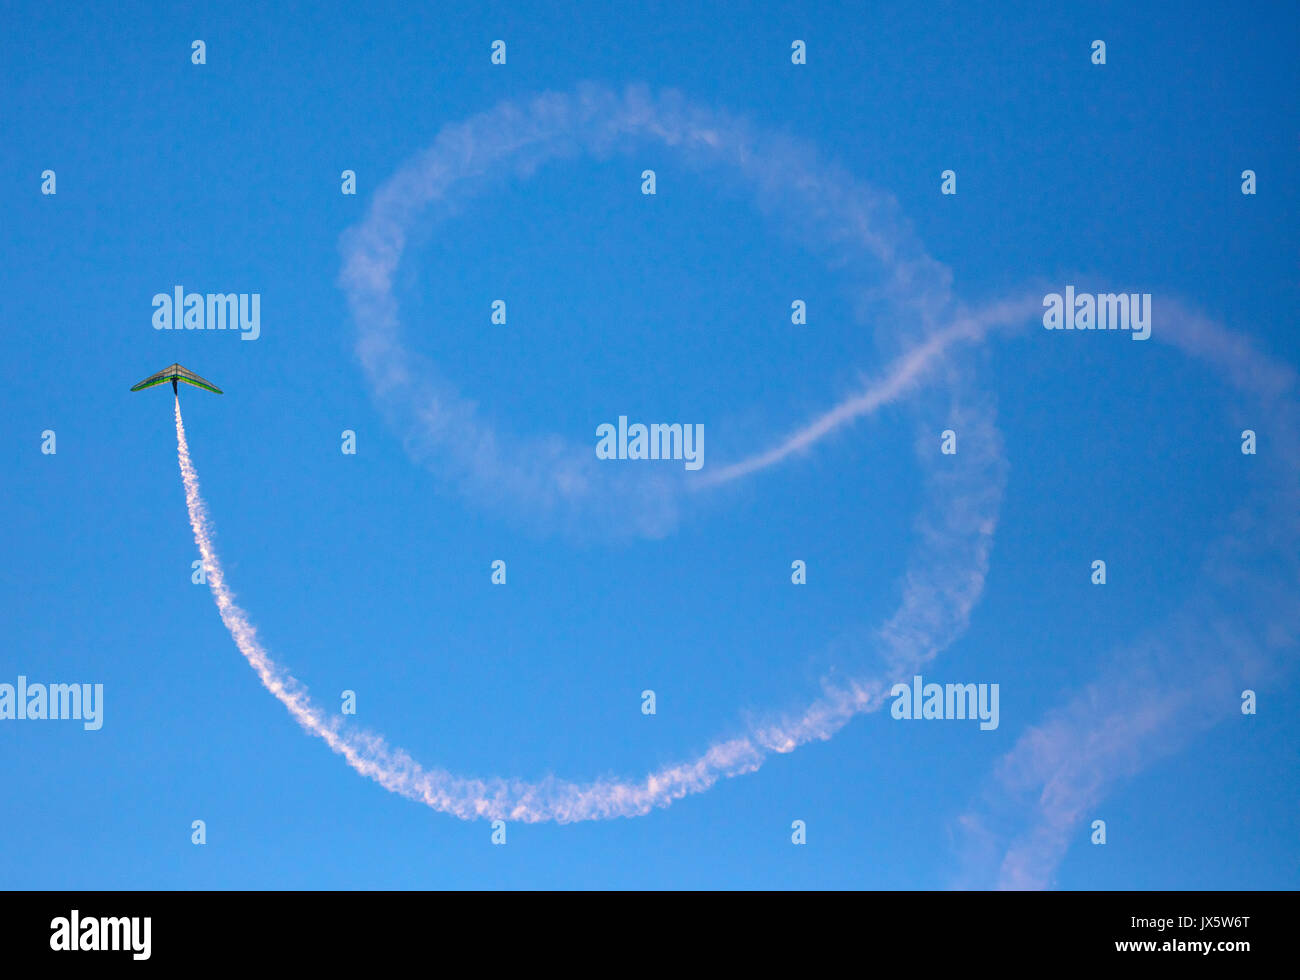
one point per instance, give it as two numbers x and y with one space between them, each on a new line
364 573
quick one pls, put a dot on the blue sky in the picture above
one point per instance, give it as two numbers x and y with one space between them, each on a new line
371 572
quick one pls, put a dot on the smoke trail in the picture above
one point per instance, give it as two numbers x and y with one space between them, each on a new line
1063 766
286 688
903 375
552 482
945 580
1176 681
944 577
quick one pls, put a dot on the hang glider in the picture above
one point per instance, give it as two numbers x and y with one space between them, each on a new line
177 373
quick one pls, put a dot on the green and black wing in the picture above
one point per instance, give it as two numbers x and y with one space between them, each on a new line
177 373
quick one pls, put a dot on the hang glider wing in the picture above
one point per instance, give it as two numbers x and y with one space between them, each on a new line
177 373
161 378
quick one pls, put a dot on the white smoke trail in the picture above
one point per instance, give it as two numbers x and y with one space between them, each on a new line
553 482
948 575
903 375
944 577
1068 762
1238 630
1063 766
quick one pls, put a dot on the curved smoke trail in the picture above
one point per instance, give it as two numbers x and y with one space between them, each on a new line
1064 765
945 575
551 481
945 581
1154 694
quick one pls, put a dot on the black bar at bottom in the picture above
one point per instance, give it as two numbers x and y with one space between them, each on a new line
598 932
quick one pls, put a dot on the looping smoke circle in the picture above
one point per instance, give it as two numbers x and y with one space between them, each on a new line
856 229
